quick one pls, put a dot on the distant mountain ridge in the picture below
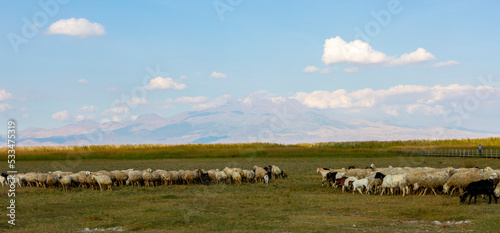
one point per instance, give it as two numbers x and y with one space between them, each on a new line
251 119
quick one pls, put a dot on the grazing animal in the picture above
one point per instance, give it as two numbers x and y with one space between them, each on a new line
237 178
323 172
359 184
479 187
102 180
3 178
330 178
283 174
276 171
392 181
266 179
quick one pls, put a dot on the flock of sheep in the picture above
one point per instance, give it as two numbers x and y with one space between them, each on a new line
408 180
106 179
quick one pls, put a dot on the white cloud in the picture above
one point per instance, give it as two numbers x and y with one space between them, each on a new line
218 75
5 95
83 81
213 103
139 100
4 107
412 99
188 100
26 115
160 83
310 69
61 116
120 112
87 108
76 27
121 109
351 70
418 56
446 63
79 117
336 50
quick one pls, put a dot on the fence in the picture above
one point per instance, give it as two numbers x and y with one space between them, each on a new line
464 153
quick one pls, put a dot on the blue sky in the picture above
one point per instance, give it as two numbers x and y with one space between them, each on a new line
85 55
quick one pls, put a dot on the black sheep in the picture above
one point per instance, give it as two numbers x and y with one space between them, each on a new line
479 187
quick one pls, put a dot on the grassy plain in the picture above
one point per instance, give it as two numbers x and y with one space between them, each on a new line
296 204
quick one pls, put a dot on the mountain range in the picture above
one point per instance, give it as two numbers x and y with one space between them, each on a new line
252 119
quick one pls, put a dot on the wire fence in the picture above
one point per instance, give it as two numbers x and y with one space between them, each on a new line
464 153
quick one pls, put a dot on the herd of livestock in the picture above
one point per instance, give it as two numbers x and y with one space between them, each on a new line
371 180
417 181
106 179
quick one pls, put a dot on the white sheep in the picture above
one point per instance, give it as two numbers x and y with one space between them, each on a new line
148 177
103 180
189 176
51 179
432 181
323 171
134 178
359 184
121 177
276 171
348 182
65 181
237 178
3 180
460 180
393 181
266 179
41 179
30 178
259 173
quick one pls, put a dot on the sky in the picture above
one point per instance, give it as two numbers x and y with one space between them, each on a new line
412 63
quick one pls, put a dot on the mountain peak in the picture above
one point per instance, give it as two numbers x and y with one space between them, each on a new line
148 118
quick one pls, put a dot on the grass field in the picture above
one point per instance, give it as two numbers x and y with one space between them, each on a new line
296 204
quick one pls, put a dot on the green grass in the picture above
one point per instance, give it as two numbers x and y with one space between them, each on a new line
246 150
297 204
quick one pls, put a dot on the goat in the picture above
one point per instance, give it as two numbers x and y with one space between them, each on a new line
479 187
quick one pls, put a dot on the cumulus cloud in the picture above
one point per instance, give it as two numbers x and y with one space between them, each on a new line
161 83
76 27
139 100
61 116
310 69
88 108
411 99
5 95
336 50
218 75
446 63
83 81
79 117
418 56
